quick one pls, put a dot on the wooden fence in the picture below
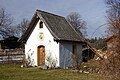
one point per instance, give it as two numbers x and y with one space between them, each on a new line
11 56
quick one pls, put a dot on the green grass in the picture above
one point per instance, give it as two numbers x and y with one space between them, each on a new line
14 72
91 64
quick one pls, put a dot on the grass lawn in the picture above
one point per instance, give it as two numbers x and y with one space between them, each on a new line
14 72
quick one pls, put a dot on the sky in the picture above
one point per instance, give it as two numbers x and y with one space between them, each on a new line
91 11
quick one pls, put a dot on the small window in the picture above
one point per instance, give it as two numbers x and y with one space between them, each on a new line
74 47
41 24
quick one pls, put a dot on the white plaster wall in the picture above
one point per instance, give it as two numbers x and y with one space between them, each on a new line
79 50
51 47
66 53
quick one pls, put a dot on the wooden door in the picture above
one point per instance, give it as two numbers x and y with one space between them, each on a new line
41 55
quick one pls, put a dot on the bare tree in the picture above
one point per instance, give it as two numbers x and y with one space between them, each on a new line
22 27
51 61
113 16
113 62
77 22
76 57
5 23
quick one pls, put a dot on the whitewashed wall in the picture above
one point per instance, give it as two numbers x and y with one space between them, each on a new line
51 47
79 50
66 53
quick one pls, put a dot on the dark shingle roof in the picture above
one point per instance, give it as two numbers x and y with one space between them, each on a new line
57 25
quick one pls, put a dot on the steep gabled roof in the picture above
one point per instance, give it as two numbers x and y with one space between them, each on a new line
57 25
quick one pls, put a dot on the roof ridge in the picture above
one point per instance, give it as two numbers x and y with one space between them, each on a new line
49 13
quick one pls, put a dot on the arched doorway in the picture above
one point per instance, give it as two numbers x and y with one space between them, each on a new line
41 55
